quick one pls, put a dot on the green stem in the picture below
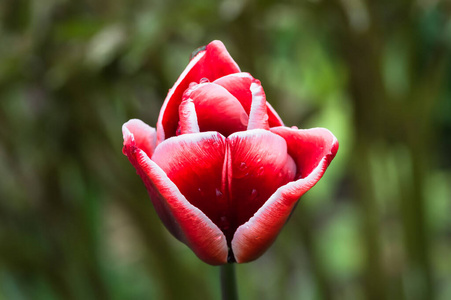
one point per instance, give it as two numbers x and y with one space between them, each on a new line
228 282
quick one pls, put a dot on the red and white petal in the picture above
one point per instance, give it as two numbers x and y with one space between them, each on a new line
195 163
258 117
217 109
188 117
144 135
253 237
185 221
308 147
258 164
239 85
250 93
211 63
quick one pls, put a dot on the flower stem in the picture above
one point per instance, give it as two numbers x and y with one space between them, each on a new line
228 282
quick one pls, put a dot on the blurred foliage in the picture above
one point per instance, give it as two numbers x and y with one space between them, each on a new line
75 219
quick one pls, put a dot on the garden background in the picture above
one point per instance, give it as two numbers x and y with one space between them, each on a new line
76 221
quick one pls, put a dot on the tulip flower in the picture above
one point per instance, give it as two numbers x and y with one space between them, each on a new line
222 171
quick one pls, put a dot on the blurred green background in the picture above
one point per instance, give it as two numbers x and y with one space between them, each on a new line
76 221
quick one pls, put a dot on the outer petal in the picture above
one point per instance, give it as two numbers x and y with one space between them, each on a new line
255 236
308 147
211 63
194 163
183 220
217 109
258 165
246 88
144 135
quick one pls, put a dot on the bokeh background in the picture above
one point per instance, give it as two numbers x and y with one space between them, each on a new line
76 221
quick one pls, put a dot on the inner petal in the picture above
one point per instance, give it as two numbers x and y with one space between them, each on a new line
212 62
217 109
240 86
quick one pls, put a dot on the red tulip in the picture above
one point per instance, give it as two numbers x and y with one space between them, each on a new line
223 172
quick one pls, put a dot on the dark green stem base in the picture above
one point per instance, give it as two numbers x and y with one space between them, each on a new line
228 282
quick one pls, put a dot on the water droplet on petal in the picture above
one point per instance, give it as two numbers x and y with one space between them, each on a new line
241 170
219 194
204 80
260 171
192 84
254 194
215 144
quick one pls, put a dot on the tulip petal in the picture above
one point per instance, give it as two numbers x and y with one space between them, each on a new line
239 85
217 110
188 118
258 117
258 164
308 147
211 63
195 163
253 237
144 135
185 221
273 118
